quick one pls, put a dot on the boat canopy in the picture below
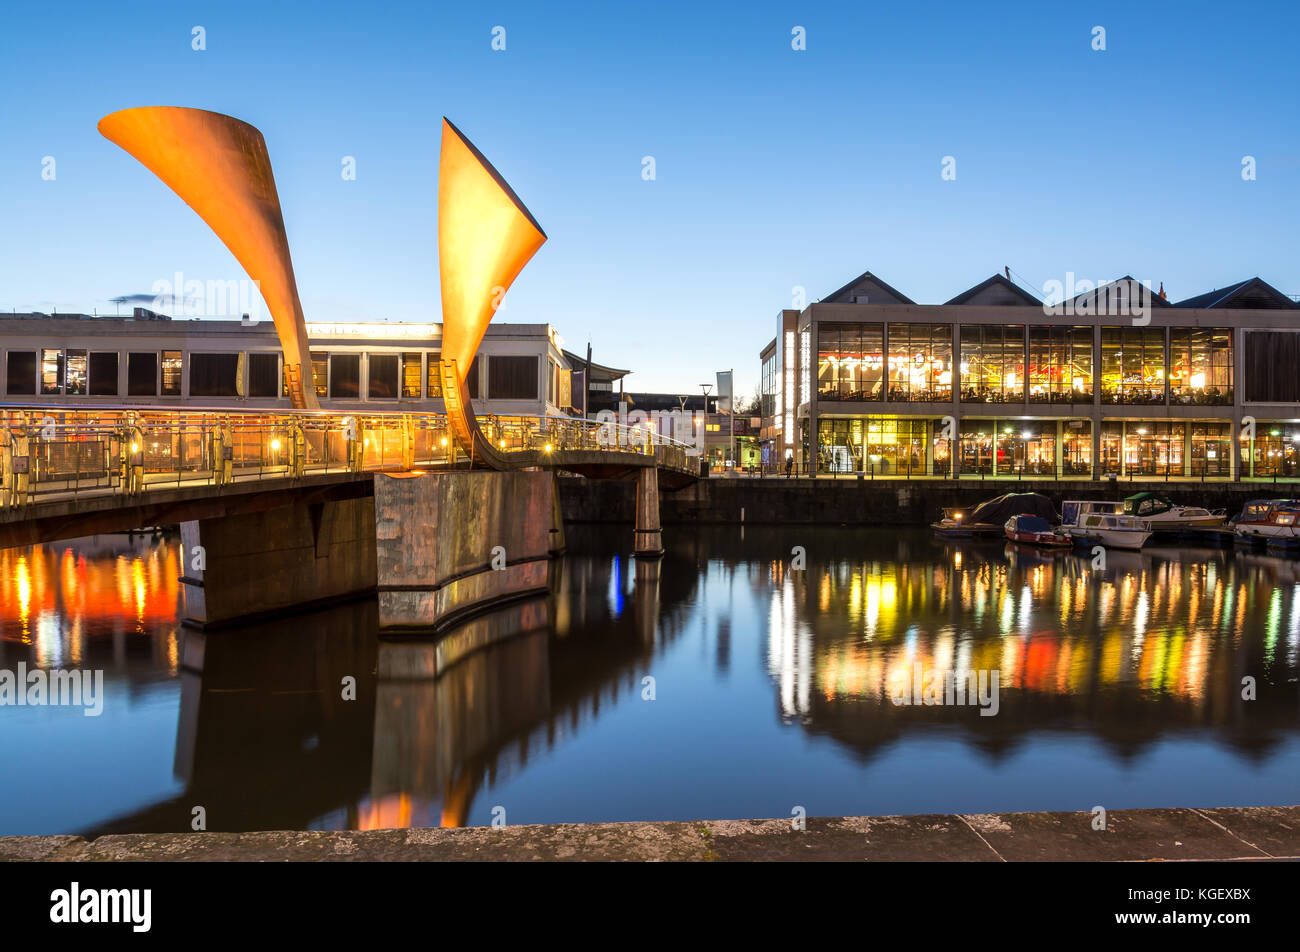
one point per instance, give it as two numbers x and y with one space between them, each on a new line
998 510
1032 524
1146 504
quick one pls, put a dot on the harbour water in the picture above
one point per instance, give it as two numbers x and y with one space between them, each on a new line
733 679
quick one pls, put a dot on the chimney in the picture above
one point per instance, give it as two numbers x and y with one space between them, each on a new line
1163 296
1006 269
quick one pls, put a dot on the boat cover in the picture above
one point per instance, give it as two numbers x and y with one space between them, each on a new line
1032 524
998 510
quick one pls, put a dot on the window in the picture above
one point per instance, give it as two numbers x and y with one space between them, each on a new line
22 372
411 373
76 383
345 376
850 362
171 373
51 371
214 375
1153 448
1133 365
263 373
320 374
1270 366
472 381
1200 365
142 375
512 378
1060 364
103 375
992 363
383 376
434 376
920 362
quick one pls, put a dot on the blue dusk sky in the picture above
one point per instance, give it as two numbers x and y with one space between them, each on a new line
774 168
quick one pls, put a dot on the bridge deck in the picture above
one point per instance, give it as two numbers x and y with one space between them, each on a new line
68 472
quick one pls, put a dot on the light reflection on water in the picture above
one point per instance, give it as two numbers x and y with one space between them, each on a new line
1120 686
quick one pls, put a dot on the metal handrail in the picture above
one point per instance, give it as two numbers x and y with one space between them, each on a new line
46 451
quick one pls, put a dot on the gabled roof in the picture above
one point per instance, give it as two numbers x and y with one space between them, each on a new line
1251 293
868 286
994 292
1155 299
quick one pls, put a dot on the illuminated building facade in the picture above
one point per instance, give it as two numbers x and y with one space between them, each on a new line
996 383
150 360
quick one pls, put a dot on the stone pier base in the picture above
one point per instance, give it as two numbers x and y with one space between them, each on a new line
452 544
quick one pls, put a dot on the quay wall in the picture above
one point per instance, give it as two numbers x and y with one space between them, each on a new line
886 502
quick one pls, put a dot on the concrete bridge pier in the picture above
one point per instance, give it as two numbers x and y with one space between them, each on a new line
451 544
288 558
649 532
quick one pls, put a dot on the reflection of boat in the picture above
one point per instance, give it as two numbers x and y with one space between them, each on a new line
1111 531
989 517
1268 520
1278 571
1165 516
1034 530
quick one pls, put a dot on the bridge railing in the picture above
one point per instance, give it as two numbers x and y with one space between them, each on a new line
50 451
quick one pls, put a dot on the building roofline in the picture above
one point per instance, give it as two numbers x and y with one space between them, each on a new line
903 298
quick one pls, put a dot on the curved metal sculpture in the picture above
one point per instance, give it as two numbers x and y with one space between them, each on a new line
485 237
220 167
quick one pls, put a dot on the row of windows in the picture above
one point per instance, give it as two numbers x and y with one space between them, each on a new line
1047 447
1005 364
388 376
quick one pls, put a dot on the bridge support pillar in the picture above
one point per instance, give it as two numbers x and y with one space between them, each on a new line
259 564
649 533
452 544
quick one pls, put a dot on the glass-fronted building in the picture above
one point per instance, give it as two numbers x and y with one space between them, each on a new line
152 360
997 383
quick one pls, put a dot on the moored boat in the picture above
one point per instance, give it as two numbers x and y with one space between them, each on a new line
1110 530
1034 530
1073 510
1268 520
989 517
1162 515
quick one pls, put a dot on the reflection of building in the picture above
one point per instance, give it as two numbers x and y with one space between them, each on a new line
994 382
1156 643
153 360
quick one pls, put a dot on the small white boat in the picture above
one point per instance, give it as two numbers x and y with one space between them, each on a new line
1110 530
1073 510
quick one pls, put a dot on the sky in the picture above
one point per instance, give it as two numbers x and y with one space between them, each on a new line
775 169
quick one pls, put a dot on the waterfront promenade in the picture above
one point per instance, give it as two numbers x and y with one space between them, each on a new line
1228 833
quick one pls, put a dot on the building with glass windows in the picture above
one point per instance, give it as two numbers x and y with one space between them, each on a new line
998 383
152 360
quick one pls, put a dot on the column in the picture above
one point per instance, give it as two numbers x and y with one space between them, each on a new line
649 534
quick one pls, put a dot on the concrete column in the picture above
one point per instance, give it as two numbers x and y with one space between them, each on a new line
557 544
649 534
261 564
453 544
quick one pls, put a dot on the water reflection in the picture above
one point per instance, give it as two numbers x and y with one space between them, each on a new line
770 686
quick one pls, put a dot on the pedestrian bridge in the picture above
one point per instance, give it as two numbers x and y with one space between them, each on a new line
66 472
